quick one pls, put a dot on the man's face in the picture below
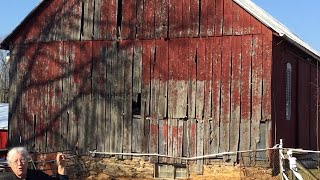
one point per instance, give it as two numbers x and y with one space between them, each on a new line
19 165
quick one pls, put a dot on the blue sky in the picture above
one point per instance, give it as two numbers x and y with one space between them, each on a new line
301 17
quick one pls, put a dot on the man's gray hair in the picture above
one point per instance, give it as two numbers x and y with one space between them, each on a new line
21 150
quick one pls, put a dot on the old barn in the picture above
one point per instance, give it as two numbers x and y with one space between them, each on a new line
178 78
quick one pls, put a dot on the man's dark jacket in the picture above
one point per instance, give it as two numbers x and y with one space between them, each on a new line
32 175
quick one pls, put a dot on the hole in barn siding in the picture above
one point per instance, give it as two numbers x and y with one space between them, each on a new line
34 127
136 106
119 18
82 20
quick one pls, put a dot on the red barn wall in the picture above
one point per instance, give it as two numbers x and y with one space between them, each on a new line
186 79
3 139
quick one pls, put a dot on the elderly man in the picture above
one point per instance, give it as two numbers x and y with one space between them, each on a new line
18 161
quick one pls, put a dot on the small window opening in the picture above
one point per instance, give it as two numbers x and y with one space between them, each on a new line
170 171
288 91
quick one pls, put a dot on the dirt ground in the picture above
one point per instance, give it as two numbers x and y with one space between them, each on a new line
212 173
234 172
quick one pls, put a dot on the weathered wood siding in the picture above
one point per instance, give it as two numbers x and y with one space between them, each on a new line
179 78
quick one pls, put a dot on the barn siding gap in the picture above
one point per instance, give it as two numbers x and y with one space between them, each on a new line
119 18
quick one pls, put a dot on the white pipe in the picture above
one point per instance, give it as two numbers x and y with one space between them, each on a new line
305 151
183 158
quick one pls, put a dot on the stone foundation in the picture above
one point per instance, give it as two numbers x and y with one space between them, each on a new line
137 168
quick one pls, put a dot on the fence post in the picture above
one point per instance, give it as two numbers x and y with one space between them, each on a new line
280 159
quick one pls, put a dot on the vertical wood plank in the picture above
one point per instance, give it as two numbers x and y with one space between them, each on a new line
170 140
140 21
211 20
172 85
88 14
137 91
185 140
266 84
154 103
204 18
216 92
163 139
245 97
227 17
55 121
256 90
219 16
128 19
99 87
237 19
153 144
161 18
162 61
200 146
246 23
74 25
175 19
113 104
194 18
108 52
235 95
127 102
192 76
313 108
192 138
225 95
71 52
86 125
179 140
180 75
148 24
108 22
175 154
122 56
66 102
207 95
186 25
147 58
303 104
256 25
201 55
97 19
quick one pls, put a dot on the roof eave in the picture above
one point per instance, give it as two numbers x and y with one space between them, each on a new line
276 26
4 46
